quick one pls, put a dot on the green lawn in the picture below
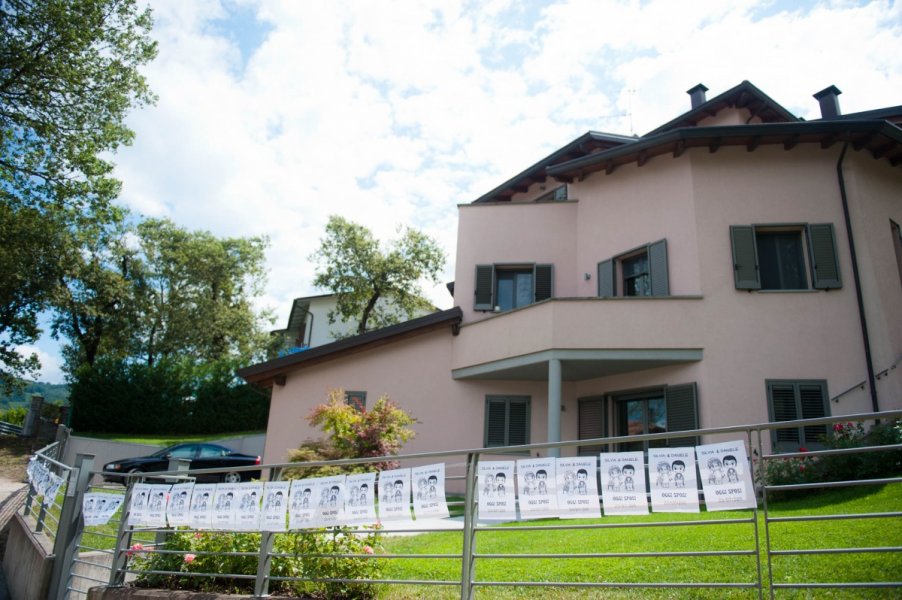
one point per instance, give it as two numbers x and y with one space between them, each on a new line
164 440
511 539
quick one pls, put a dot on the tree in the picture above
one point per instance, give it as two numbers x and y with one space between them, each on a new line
69 76
158 291
27 264
352 266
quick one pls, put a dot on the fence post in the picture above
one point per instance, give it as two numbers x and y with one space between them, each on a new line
267 539
71 525
33 418
123 537
467 568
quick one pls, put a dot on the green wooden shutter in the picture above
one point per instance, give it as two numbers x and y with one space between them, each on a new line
682 412
518 422
543 277
495 422
813 402
590 423
783 408
745 257
606 284
485 287
657 266
822 252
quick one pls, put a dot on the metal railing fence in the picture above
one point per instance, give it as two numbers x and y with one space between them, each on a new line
748 561
45 508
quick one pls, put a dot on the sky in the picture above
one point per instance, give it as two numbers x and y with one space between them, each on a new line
273 115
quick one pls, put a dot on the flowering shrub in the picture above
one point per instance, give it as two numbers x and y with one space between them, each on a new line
843 467
215 552
353 432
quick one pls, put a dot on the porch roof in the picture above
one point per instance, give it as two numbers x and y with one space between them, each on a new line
578 364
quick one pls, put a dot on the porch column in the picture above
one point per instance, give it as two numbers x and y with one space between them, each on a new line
554 404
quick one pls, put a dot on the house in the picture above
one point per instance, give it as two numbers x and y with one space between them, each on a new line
736 265
308 324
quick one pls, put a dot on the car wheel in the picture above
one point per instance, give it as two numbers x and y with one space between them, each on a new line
231 477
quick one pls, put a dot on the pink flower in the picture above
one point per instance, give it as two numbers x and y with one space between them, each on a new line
189 558
135 548
801 467
198 535
367 550
838 427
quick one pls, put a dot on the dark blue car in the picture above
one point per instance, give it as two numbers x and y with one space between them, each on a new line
201 455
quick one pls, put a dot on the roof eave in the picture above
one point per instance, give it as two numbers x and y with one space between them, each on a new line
678 140
536 172
269 372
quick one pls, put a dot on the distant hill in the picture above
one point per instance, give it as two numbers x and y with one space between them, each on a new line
53 393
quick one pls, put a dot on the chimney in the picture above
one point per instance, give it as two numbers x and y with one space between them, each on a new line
829 102
697 95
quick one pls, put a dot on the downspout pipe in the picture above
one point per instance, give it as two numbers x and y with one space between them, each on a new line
872 380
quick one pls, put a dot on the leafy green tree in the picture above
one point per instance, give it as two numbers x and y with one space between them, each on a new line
69 74
158 291
28 262
195 294
94 298
352 265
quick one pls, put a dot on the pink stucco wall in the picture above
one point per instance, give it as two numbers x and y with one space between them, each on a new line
746 337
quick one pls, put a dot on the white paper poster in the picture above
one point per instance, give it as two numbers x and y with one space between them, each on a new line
201 511
726 479
251 496
275 506
577 488
623 483
394 495
98 507
331 503
536 481
671 472
360 508
302 510
225 506
429 495
52 487
179 502
138 507
497 497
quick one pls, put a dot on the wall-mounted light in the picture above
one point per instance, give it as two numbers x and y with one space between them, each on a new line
588 276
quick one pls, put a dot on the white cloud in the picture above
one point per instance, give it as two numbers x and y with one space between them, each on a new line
394 113
51 367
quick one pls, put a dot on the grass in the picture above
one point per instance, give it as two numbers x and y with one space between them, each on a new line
165 440
512 539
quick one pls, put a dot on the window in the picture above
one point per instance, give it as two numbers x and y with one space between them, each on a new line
208 451
789 400
558 194
356 399
591 423
506 420
640 272
775 257
672 408
897 244
504 287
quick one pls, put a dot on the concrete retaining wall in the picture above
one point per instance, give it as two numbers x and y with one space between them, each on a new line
27 562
